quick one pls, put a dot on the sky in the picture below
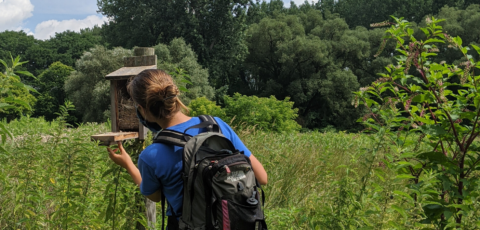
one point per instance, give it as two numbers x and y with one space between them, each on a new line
44 18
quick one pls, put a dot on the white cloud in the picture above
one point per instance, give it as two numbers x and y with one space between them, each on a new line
299 2
47 29
13 12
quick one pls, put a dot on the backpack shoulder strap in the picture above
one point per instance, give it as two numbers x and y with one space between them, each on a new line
208 122
171 137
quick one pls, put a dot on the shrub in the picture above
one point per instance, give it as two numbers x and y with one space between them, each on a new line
15 97
427 115
268 114
202 106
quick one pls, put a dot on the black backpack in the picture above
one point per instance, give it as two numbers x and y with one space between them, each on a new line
219 187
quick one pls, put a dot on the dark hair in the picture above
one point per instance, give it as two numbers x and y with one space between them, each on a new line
155 91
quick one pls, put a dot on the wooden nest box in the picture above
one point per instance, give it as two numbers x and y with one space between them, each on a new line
125 124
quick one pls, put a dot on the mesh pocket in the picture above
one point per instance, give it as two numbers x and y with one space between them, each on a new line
234 216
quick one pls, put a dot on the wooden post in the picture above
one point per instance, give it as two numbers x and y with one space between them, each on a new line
150 206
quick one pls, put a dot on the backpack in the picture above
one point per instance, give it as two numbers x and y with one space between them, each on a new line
220 190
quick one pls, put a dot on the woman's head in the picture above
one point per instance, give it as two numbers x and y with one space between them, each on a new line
155 91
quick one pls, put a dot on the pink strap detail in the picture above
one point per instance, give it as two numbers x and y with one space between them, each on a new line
226 217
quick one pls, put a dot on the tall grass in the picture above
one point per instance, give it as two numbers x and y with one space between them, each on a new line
54 177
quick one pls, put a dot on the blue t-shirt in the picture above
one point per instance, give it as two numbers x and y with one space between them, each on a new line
161 165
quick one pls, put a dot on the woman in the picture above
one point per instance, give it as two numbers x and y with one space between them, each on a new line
160 165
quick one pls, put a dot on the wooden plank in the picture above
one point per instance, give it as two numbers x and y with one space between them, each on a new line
140 61
143 51
127 72
112 137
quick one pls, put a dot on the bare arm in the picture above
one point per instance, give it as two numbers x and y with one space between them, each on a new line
259 171
124 160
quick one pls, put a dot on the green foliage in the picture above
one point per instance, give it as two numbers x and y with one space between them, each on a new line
65 47
15 97
203 106
51 88
87 88
365 12
314 61
179 59
55 177
215 30
437 104
268 114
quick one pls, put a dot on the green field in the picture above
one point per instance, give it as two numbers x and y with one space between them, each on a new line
54 177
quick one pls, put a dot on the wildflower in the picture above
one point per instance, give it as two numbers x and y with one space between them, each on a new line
382 46
364 118
414 125
442 62
396 89
434 50
428 20
449 39
381 24
465 73
363 89
407 104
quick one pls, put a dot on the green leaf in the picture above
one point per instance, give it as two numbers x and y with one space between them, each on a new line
109 171
403 194
30 88
468 115
437 157
434 130
476 48
186 81
26 73
458 40
433 40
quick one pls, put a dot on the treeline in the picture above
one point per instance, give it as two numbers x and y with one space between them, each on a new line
315 54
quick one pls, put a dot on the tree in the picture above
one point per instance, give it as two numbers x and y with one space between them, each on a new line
316 62
87 88
214 29
178 55
70 46
365 12
66 47
51 89
463 23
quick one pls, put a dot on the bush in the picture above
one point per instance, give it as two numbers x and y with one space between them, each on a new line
427 115
202 106
15 97
268 114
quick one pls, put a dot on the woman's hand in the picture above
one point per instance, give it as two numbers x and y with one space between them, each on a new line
122 159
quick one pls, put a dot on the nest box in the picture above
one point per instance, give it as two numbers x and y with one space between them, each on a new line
125 124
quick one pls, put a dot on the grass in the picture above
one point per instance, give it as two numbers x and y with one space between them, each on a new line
54 177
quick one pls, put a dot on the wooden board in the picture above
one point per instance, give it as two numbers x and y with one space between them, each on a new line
111 138
127 72
140 61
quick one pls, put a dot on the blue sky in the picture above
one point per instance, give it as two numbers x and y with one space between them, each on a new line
43 18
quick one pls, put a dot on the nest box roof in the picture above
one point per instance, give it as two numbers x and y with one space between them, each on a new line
127 72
